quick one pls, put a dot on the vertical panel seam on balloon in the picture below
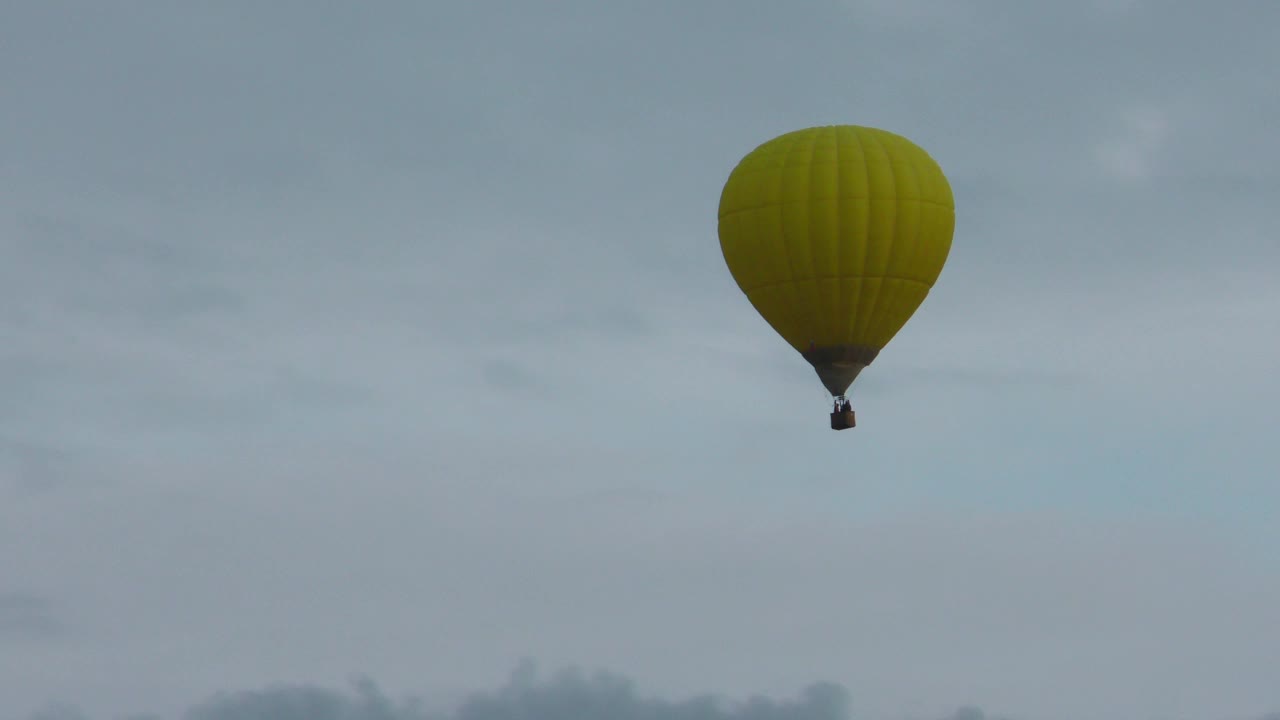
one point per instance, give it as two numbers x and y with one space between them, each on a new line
886 320
892 240
866 230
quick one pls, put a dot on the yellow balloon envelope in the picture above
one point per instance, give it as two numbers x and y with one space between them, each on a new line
836 234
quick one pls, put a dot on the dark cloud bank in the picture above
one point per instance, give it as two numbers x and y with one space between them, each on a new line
569 694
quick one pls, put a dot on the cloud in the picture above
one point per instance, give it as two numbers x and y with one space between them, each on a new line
417 318
26 616
59 711
29 467
1133 150
912 12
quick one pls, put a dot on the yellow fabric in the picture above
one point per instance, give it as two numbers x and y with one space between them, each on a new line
836 234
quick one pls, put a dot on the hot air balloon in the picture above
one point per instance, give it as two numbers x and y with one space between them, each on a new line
836 234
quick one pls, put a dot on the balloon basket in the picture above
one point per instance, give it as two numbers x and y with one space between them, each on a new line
842 420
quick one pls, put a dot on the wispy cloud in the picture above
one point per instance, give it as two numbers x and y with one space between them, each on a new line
26 616
1132 152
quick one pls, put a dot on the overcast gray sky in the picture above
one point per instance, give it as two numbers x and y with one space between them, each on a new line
393 339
